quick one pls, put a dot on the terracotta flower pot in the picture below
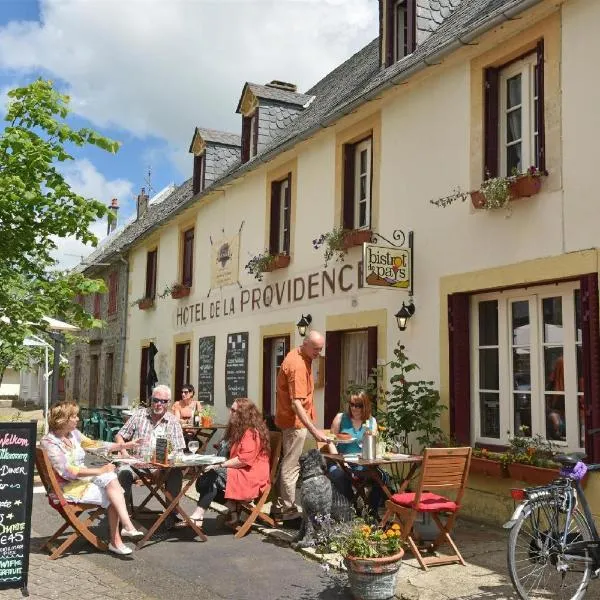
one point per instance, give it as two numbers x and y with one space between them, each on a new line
477 199
180 292
485 466
279 262
146 303
207 421
373 578
525 186
357 237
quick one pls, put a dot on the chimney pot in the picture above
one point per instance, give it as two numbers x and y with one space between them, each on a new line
282 85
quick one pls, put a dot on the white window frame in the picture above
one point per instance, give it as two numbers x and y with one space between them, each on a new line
283 208
526 69
534 296
400 10
364 146
252 150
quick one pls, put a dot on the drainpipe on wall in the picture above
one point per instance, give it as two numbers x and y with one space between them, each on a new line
123 336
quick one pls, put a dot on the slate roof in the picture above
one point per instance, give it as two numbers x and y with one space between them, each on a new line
340 92
274 94
219 137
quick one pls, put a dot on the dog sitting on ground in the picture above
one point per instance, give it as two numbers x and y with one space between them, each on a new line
321 500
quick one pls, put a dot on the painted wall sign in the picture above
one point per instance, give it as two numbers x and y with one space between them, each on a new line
386 266
236 367
206 369
308 286
225 262
17 448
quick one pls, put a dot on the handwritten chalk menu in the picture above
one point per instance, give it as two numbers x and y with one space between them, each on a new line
236 367
161 451
17 452
206 369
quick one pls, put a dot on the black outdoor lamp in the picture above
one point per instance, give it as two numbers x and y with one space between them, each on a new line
303 324
404 314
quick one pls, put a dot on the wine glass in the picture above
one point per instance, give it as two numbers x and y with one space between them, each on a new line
193 446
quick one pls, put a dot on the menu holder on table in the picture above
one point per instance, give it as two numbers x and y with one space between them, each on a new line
161 452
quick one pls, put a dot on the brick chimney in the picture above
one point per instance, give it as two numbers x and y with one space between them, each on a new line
113 207
142 203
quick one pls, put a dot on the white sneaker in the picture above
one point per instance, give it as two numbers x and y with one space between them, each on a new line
122 550
132 534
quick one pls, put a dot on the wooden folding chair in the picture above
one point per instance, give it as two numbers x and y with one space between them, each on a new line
444 469
254 508
79 517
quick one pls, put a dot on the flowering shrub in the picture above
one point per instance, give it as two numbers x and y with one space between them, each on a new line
333 242
359 539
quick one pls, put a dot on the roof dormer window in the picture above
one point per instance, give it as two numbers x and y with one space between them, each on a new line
253 137
399 29
199 172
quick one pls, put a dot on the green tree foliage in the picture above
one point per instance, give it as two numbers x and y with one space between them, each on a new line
37 206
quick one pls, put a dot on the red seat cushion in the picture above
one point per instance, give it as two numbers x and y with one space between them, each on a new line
429 502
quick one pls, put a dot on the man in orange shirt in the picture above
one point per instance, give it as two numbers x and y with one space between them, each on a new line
295 417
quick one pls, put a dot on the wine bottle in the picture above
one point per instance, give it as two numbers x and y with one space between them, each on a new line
196 416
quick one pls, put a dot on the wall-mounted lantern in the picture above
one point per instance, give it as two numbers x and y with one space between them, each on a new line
303 324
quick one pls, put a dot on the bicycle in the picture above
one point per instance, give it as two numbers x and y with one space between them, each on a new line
554 547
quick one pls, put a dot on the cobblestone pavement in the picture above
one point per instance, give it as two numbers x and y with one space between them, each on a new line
72 577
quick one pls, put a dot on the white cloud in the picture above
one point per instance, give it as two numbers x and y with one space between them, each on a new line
162 67
87 181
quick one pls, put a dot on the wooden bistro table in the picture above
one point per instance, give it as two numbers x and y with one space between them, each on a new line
202 434
154 476
370 468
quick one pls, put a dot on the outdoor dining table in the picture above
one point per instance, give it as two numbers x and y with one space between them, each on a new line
370 467
154 476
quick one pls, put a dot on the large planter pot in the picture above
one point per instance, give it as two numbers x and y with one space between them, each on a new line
477 199
356 237
373 578
180 292
485 466
206 421
525 186
531 474
280 261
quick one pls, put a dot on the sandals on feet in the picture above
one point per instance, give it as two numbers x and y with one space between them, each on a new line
184 524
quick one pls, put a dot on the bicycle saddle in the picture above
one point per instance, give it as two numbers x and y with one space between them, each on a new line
568 460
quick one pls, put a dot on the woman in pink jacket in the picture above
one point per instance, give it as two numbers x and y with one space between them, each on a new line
246 472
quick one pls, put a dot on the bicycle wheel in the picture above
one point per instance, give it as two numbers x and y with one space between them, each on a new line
538 567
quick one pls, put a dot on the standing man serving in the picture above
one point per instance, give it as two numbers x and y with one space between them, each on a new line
295 417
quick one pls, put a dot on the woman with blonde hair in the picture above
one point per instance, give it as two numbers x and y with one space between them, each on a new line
65 446
246 472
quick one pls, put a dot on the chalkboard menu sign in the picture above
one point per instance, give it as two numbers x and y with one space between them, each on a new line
206 369
236 367
17 452
161 451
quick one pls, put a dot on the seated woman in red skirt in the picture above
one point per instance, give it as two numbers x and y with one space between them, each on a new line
246 472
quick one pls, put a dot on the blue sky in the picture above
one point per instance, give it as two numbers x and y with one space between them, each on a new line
147 72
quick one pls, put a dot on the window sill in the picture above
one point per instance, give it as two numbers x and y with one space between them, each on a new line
356 237
280 261
180 292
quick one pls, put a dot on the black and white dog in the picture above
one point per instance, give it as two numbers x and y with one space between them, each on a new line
320 498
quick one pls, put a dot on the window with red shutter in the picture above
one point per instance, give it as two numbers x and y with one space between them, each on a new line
151 266
97 305
198 176
280 222
357 184
401 28
187 265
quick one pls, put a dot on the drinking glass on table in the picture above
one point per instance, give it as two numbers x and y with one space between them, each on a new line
193 446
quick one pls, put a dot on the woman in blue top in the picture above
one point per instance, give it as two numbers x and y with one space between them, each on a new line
354 422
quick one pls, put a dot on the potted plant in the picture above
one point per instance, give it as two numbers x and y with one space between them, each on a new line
207 416
371 555
492 464
144 303
179 290
333 244
356 237
527 184
265 262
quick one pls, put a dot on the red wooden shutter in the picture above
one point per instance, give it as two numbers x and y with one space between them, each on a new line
411 29
197 177
541 154
254 141
97 305
245 139
333 374
591 361
389 34
187 274
143 375
275 217
348 187
490 168
288 215
266 371
460 368
151 274
382 50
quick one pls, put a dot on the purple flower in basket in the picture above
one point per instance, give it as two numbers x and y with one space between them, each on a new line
577 472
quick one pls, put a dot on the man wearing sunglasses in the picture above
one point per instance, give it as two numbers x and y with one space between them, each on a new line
148 424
